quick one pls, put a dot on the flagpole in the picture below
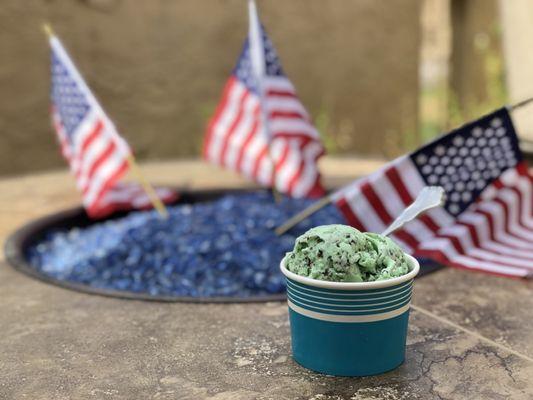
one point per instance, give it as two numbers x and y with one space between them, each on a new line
48 30
258 66
520 104
148 188
135 169
306 212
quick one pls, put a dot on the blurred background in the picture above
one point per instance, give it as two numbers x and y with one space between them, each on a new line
379 77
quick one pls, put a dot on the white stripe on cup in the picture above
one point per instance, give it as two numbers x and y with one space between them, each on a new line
348 318
351 307
340 293
293 288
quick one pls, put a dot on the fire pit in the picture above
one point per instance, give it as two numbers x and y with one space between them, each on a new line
216 246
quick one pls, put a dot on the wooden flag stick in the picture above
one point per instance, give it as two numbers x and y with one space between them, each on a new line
148 188
296 219
521 104
275 192
48 30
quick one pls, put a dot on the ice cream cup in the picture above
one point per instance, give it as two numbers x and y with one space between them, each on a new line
349 328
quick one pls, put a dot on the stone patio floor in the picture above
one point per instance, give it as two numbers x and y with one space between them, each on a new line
470 337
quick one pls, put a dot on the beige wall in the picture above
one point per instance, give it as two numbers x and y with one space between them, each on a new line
517 29
159 67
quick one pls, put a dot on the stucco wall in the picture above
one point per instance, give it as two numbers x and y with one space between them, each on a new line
159 67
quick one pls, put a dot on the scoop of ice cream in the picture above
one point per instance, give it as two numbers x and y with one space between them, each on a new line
340 253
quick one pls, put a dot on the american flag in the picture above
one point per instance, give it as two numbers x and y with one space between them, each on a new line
124 196
260 124
97 154
486 223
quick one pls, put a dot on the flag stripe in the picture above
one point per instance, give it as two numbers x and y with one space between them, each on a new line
467 232
309 178
93 169
216 118
233 125
245 148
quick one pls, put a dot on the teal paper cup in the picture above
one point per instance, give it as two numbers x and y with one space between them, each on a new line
349 328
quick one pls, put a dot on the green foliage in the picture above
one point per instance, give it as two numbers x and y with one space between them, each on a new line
441 110
324 126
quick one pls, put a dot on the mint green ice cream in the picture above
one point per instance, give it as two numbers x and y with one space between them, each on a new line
340 253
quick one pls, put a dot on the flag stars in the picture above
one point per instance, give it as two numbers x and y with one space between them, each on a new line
496 122
477 132
457 141
440 150
454 208
421 159
500 132
243 69
452 151
464 163
273 65
67 97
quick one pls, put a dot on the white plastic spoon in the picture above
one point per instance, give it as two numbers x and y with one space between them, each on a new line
429 197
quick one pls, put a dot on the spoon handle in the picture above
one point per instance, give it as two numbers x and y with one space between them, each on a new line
429 197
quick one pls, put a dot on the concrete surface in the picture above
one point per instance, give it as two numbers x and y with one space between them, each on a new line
159 67
470 334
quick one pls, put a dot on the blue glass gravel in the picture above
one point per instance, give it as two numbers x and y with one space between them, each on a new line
225 247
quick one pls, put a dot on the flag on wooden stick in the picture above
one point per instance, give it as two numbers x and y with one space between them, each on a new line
98 156
260 128
486 223
125 196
